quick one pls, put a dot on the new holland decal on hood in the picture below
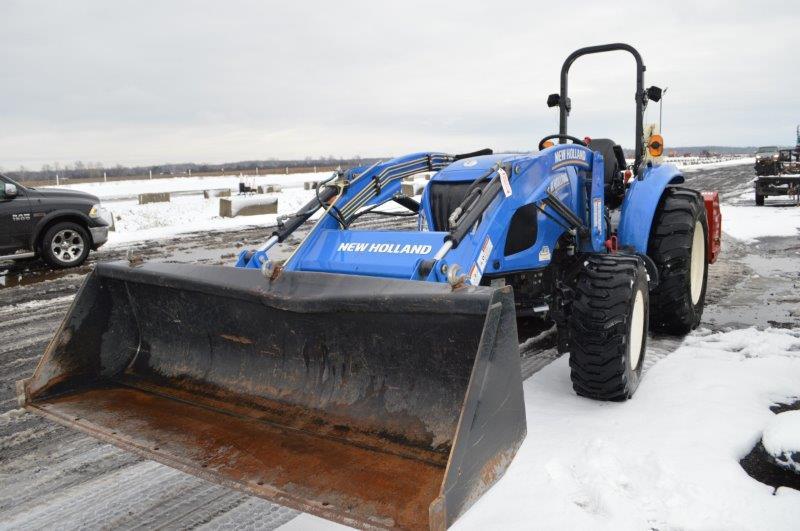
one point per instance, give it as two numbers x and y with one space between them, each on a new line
570 157
389 248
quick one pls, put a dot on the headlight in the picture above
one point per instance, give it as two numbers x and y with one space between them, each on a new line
774 157
98 212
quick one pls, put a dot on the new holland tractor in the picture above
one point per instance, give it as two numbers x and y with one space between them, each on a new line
373 378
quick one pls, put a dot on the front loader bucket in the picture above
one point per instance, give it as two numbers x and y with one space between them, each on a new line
376 403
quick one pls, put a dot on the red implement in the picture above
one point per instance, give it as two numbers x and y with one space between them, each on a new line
714 216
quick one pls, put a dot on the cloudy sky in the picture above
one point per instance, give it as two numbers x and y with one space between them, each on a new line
139 82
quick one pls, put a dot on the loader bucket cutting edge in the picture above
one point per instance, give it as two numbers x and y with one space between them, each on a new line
374 402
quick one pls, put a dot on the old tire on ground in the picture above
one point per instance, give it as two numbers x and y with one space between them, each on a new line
677 245
65 244
759 200
608 327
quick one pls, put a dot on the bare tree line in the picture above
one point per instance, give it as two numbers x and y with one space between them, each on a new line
80 170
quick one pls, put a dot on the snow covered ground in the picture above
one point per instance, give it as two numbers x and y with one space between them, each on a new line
668 459
745 221
690 164
183 214
131 189
189 212
749 223
781 439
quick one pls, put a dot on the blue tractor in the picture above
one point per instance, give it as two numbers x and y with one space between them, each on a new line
373 377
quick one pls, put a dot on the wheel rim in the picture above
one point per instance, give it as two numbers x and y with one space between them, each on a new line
67 245
696 273
637 330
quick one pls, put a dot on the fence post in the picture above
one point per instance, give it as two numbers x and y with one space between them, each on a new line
56 179
151 174
105 178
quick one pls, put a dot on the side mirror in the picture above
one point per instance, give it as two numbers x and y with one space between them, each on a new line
654 94
554 100
9 191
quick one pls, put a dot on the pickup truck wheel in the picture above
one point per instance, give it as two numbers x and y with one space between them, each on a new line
678 240
65 244
759 200
608 327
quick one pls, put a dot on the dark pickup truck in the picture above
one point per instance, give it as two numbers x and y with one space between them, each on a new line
59 226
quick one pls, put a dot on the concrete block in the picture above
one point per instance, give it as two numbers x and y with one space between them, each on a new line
157 197
247 206
210 194
269 189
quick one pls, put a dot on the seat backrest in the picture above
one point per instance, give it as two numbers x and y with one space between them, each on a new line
613 163
444 197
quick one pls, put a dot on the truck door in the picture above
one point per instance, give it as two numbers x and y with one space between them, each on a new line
15 217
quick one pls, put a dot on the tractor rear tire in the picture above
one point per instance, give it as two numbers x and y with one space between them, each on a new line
608 327
759 200
678 241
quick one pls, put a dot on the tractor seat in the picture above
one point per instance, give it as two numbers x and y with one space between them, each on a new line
444 197
613 164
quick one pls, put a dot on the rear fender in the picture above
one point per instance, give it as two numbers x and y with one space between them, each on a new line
641 201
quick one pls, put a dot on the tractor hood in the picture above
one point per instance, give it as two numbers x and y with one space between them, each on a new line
372 253
472 168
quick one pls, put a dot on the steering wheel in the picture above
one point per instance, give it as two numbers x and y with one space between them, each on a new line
572 139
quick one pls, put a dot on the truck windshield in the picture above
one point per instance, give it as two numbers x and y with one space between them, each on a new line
767 149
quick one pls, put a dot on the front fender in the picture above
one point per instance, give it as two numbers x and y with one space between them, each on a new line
641 201
65 215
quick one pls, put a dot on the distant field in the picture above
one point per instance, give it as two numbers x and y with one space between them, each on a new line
252 171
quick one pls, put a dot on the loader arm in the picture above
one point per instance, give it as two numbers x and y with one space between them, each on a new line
346 196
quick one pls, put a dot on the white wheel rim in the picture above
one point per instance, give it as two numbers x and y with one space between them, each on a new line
637 330
697 270
67 245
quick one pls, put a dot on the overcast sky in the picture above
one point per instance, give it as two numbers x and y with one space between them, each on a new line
138 82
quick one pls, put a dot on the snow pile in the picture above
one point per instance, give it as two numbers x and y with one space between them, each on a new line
668 459
752 222
781 439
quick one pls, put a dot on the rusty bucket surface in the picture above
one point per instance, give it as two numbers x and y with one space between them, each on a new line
374 402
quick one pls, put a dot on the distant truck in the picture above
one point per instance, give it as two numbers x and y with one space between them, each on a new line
767 160
785 180
59 226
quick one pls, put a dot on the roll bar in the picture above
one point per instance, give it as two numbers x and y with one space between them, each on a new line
641 95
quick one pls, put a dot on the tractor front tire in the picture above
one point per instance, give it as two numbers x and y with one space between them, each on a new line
608 327
678 240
